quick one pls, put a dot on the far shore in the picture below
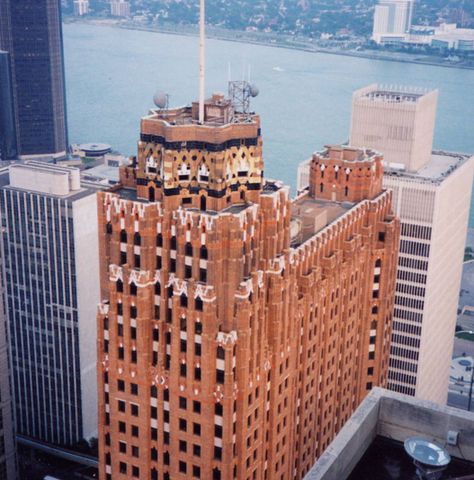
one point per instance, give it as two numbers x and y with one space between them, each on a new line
270 40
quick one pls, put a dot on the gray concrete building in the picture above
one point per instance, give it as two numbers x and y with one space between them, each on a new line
51 278
7 445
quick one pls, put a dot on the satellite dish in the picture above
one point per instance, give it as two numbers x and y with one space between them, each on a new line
429 458
160 99
253 90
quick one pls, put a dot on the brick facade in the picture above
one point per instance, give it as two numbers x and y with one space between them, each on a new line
237 334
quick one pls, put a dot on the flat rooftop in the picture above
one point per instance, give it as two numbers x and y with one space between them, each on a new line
442 164
310 215
386 458
394 418
392 94
47 179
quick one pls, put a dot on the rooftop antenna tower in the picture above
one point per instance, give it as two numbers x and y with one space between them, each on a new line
202 59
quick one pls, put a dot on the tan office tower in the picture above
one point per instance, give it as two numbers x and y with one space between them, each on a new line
239 330
432 192
399 122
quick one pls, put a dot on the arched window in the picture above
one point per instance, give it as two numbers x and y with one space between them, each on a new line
133 289
119 285
137 239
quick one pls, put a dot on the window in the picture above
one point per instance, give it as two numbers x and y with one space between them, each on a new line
196 471
182 403
219 409
121 406
183 446
135 431
133 289
134 409
134 389
135 472
217 453
196 406
123 467
137 239
183 300
188 250
122 427
182 370
220 376
120 385
122 447
203 252
203 275
199 304
183 425
135 451
196 450
218 431
188 272
182 467
123 236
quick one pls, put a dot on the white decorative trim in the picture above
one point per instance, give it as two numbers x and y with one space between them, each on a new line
227 338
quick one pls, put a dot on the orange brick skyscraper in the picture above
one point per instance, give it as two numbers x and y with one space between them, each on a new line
240 329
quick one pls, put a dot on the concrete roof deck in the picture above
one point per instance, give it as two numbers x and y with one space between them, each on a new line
442 164
314 215
397 417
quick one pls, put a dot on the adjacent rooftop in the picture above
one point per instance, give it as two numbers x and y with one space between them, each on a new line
382 421
442 164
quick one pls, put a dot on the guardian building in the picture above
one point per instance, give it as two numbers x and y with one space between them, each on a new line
238 330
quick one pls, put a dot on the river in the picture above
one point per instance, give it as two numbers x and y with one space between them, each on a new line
304 101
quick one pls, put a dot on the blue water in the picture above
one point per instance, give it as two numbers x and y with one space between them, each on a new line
305 98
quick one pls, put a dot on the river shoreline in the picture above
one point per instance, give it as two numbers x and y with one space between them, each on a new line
269 40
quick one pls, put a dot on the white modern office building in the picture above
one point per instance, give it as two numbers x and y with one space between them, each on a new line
396 121
392 20
51 276
120 8
432 196
81 7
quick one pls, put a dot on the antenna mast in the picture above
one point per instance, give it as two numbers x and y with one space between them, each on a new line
202 59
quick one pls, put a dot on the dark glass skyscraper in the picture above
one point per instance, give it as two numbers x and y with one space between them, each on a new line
7 116
30 30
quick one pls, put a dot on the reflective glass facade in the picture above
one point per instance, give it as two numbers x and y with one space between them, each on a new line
7 118
30 30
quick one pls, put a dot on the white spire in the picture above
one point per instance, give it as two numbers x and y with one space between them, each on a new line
202 59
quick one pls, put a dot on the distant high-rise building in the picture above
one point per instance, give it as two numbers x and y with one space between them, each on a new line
7 443
432 192
81 7
398 122
239 330
120 8
50 267
30 30
7 115
392 20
